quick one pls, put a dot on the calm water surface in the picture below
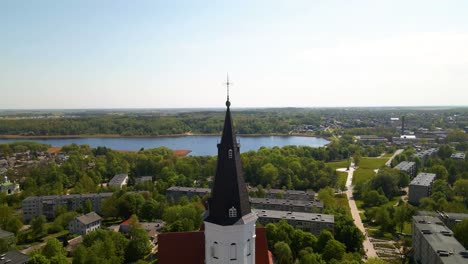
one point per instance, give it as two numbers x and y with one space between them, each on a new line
199 145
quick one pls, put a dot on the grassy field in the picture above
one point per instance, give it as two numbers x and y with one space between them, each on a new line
362 175
388 155
338 164
366 169
372 163
342 176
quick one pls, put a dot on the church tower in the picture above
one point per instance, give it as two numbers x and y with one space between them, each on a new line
229 221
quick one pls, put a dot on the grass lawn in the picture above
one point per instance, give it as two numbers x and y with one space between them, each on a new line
371 163
376 233
342 201
407 228
342 176
362 175
338 164
55 235
388 155
366 169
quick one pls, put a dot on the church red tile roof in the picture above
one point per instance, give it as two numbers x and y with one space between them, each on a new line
189 248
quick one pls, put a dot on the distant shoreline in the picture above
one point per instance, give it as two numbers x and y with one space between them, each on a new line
150 136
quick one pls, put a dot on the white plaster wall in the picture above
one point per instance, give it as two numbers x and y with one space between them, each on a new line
225 236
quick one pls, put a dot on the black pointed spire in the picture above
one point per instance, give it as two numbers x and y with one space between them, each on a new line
229 200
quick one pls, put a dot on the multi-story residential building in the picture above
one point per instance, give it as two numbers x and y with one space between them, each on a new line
175 192
310 222
287 194
451 219
371 139
426 153
433 242
143 179
34 206
287 205
82 225
13 257
8 238
118 180
409 167
420 186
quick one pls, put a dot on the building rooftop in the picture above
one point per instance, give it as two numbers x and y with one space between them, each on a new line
71 196
192 245
440 238
423 179
425 153
294 215
458 155
405 165
189 189
13 257
285 202
88 218
119 179
144 178
4 234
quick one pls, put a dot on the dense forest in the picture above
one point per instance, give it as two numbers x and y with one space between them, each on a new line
255 121
158 124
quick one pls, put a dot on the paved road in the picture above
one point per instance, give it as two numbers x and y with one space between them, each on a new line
368 247
398 152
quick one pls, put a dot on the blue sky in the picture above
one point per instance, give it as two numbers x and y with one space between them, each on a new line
159 54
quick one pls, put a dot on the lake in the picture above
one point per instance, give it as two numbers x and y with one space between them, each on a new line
199 145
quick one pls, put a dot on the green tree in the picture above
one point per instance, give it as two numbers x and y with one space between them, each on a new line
151 210
269 174
333 250
53 248
461 188
347 233
374 198
382 217
38 259
139 245
461 232
403 213
440 171
13 225
38 226
88 206
311 258
357 158
283 253
323 239
386 179
376 261
445 151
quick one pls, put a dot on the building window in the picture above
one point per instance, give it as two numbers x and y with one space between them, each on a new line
249 247
232 212
214 250
230 153
233 251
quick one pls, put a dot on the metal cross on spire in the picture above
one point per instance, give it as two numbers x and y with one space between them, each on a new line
227 88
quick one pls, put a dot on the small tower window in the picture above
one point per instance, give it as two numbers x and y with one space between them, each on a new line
249 247
233 251
214 250
232 212
230 153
